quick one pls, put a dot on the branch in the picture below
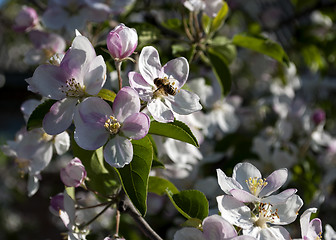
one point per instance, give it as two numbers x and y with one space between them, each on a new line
126 206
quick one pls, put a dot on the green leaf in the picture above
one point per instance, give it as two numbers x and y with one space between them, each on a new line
159 186
147 33
221 70
156 162
224 46
193 222
134 176
190 203
206 23
176 130
107 94
36 118
102 180
262 45
220 17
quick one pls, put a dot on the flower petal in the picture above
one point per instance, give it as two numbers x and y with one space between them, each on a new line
243 171
95 77
177 69
90 117
216 227
59 117
188 233
160 111
234 211
226 183
47 81
62 143
184 102
140 85
54 18
279 198
288 211
304 221
126 103
136 126
274 181
243 196
149 64
118 152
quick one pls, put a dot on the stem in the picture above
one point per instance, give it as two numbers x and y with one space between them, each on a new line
94 206
197 26
125 205
118 68
191 24
186 29
97 216
117 223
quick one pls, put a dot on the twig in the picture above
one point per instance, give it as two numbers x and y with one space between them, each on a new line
95 217
126 206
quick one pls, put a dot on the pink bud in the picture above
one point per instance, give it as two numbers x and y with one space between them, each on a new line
122 41
318 116
73 174
26 19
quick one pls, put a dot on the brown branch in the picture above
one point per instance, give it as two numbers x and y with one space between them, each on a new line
126 206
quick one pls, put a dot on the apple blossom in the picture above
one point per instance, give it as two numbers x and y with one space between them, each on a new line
74 174
161 103
122 41
247 184
210 7
214 228
46 45
96 123
73 14
26 19
318 116
310 230
262 223
329 233
80 74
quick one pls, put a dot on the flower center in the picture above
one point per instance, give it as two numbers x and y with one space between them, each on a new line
73 88
266 215
46 137
112 125
256 185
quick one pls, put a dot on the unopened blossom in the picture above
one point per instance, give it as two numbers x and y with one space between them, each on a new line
74 174
318 116
247 184
80 74
46 46
310 229
214 228
122 41
96 124
265 222
73 14
26 19
160 87
210 7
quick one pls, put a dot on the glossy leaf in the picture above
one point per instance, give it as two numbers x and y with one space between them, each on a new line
134 176
36 118
159 186
176 130
107 94
190 203
156 162
262 45
221 70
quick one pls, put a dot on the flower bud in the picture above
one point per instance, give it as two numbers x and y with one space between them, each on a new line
73 174
318 116
26 19
122 41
